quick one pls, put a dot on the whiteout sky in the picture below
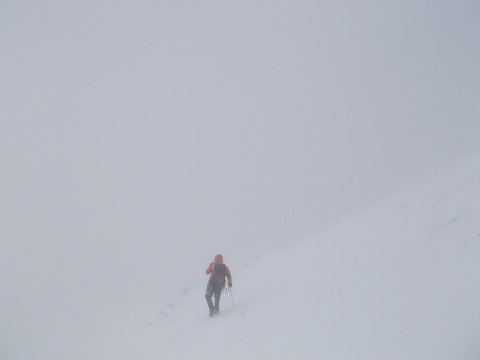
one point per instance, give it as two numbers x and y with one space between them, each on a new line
138 139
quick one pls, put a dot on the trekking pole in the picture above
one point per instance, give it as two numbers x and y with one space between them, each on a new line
233 304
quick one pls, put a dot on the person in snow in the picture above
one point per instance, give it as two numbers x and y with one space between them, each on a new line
218 271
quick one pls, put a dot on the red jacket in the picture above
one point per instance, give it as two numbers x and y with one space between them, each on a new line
228 274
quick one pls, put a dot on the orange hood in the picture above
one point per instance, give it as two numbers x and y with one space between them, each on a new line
218 259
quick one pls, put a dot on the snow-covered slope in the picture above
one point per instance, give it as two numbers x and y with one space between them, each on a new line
399 280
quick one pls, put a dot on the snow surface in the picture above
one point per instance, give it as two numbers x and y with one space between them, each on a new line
398 280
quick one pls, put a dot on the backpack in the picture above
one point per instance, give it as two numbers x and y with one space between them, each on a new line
218 274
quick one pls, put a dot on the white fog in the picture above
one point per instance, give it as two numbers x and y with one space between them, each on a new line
140 138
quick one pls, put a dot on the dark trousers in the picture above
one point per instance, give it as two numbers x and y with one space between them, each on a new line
211 291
